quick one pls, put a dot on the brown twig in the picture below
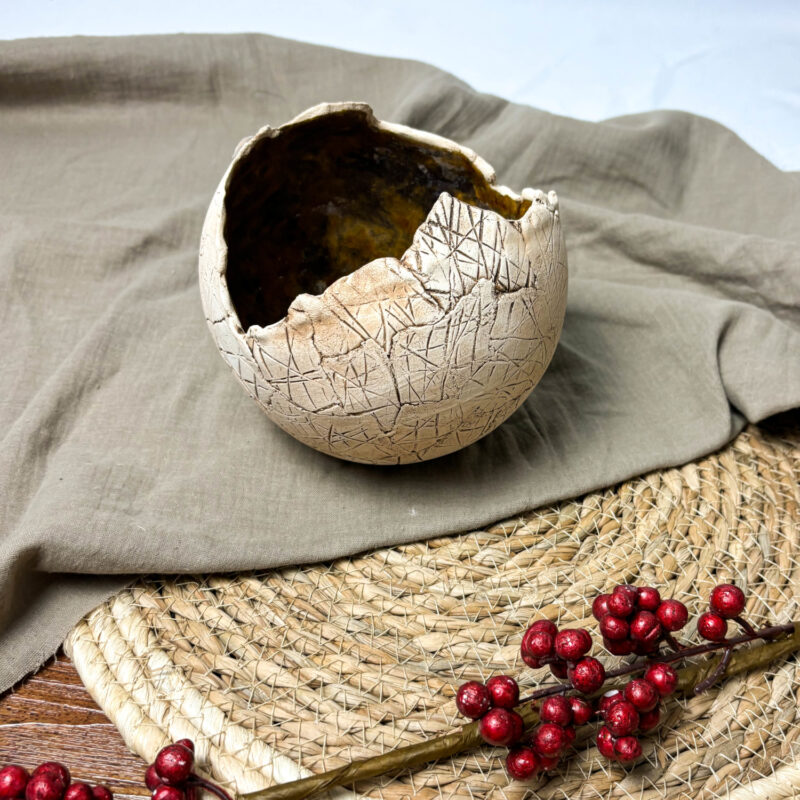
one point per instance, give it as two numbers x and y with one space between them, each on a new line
673 642
196 781
714 676
745 625
468 737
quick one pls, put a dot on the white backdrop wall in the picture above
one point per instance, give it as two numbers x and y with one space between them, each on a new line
734 61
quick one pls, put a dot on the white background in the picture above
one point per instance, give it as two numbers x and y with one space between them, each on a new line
736 62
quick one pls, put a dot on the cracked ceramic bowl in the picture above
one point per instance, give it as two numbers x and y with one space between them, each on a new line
374 291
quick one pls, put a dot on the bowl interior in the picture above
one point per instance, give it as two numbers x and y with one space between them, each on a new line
327 195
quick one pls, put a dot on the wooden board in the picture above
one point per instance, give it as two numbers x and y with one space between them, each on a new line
51 717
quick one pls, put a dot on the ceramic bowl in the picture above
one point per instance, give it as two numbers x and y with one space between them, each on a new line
374 291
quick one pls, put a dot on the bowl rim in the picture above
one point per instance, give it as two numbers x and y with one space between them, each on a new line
214 224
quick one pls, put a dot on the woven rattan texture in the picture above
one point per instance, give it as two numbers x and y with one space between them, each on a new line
279 674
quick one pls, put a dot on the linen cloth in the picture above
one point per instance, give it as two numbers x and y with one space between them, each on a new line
127 447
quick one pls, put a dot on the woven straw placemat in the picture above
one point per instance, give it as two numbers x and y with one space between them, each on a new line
279 674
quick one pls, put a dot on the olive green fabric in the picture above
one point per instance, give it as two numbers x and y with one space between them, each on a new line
126 446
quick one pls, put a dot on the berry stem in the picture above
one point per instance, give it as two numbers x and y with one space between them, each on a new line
196 780
468 737
718 670
763 633
546 691
673 642
745 625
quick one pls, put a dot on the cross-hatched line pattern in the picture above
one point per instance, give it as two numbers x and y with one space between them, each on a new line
283 673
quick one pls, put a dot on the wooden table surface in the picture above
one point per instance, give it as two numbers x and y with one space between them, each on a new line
51 717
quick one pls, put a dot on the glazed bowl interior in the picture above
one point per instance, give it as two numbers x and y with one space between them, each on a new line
327 196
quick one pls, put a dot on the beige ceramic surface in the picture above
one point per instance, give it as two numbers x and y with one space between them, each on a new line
410 358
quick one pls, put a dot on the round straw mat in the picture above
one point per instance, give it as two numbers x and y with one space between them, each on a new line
279 674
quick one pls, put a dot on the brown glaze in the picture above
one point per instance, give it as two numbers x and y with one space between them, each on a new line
327 196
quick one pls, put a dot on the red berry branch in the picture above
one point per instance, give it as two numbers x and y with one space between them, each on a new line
49 781
631 620
540 728
169 777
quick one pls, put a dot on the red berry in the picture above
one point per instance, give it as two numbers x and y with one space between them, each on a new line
544 625
537 644
588 675
648 598
627 748
79 791
712 626
548 762
649 719
623 648
152 780
645 648
582 712
559 669
549 739
645 628
600 606
608 700
55 770
174 764
569 732
556 709
101 792
572 644
605 743
187 743
642 694
165 792
621 604
615 629
527 657
622 718
473 699
727 600
518 725
498 727
663 677
522 763
503 691
672 614
44 787
631 591
13 780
